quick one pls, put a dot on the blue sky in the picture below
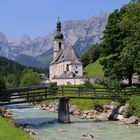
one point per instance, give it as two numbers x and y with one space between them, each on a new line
38 17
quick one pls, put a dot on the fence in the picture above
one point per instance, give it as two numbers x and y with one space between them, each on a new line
40 93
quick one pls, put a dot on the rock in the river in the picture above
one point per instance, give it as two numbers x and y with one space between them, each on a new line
103 116
83 116
85 112
91 116
30 132
121 109
117 117
76 112
8 114
86 136
72 109
131 120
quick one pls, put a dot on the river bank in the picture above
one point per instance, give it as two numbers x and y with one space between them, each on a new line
107 112
38 120
7 116
8 129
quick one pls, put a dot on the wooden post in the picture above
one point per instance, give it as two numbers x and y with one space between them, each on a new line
28 95
45 93
79 91
62 91
63 110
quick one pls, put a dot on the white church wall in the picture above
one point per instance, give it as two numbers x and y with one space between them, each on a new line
70 81
77 69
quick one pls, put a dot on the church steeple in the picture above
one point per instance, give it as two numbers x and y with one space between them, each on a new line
58 39
59 34
58 25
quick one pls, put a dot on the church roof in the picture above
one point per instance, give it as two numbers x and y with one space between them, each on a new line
67 54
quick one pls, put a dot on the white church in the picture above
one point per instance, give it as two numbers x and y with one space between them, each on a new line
65 68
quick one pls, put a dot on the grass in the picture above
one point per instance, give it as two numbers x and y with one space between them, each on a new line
94 69
9 132
88 104
134 106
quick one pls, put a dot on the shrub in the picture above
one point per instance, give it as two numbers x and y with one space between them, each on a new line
134 106
29 77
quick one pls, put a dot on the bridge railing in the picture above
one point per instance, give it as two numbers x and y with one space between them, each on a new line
40 93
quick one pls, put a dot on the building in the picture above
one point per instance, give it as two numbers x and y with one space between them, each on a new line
65 68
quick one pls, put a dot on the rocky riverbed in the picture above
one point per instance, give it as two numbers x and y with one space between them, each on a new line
95 121
106 112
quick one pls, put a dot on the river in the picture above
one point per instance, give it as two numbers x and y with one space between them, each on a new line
46 127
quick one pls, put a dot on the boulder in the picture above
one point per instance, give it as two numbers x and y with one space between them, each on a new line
85 111
121 109
76 112
83 116
72 109
91 116
103 116
131 120
117 117
87 136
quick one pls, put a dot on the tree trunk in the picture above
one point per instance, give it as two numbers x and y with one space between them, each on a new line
130 79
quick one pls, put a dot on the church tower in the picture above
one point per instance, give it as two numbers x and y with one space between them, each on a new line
58 40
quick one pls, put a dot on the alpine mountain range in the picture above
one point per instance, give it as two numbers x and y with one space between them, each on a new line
38 52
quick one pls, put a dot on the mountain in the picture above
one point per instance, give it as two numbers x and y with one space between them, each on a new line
28 61
79 33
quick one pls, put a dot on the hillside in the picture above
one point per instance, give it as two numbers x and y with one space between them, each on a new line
28 61
10 67
94 70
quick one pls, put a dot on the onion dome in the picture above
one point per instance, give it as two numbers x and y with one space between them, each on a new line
59 34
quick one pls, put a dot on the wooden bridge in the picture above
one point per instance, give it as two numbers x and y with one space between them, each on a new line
63 94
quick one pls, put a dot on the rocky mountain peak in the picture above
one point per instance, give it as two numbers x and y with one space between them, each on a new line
3 38
79 33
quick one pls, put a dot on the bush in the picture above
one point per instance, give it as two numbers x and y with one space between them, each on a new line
134 106
29 77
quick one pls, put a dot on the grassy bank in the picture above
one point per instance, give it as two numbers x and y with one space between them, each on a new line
88 104
94 69
134 106
9 132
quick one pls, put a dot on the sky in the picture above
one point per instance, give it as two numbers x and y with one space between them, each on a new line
38 17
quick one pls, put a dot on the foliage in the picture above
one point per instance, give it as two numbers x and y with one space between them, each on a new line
11 71
2 83
11 80
29 77
10 132
134 106
135 1
111 84
91 55
121 40
8 66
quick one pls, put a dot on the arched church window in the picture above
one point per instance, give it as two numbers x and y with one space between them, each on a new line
67 67
60 46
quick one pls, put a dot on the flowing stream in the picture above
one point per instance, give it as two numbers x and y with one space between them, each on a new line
46 127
